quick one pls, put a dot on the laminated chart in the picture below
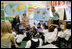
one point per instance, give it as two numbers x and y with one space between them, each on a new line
41 14
15 9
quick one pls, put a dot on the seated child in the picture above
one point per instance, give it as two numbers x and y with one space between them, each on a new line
35 25
60 33
52 34
39 25
45 30
61 36
28 34
34 42
67 32
13 32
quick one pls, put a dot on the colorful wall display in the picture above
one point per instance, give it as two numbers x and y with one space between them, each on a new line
54 3
41 14
2 6
15 9
61 3
49 3
68 2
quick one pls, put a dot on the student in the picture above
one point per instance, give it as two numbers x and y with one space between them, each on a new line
39 25
34 42
61 36
45 30
60 33
35 25
52 34
28 34
67 32
7 39
13 32
19 38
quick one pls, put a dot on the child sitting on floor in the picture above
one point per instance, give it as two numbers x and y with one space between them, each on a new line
67 32
52 34
35 41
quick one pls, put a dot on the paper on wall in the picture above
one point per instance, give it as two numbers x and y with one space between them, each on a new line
61 13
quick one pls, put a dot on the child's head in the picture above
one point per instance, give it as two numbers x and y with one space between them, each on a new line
34 29
68 26
44 26
27 28
59 29
51 28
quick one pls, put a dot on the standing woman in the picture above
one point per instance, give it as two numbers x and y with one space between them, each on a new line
16 22
55 16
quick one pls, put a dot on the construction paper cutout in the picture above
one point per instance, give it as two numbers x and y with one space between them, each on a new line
22 6
11 5
38 12
2 6
13 11
18 9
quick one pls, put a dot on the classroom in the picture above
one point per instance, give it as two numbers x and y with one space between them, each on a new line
35 24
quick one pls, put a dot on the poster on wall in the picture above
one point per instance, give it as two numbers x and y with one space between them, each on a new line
54 3
49 3
15 9
68 3
61 13
31 13
68 13
41 14
60 3
2 6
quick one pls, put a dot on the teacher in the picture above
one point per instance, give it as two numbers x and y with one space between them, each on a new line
25 20
55 16
15 23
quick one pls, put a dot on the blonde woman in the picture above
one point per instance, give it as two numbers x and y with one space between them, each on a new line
7 39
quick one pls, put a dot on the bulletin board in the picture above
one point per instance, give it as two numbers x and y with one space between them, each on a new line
41 14
11 10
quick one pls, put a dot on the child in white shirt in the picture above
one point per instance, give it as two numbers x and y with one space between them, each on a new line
67 32
52 34
34 42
